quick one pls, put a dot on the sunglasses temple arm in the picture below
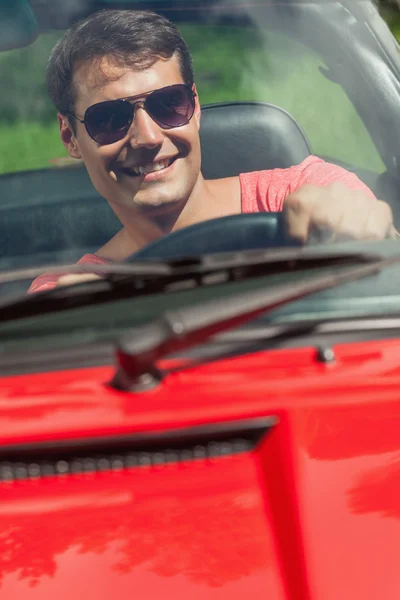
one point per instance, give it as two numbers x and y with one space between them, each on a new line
75 117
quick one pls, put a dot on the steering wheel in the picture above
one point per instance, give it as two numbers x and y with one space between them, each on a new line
226 234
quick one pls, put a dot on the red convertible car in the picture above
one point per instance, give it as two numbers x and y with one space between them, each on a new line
218 416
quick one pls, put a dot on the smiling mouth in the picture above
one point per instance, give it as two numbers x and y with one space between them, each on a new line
147 168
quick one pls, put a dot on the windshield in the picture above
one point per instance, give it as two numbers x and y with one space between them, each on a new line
285 110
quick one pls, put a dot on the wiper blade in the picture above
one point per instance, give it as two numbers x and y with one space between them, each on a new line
107 271
116 271
121 281
139 350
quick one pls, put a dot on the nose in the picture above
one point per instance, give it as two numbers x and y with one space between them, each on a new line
144 132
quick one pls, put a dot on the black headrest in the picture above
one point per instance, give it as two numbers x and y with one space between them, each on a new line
240 137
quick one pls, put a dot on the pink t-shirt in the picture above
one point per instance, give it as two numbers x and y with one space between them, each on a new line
261 191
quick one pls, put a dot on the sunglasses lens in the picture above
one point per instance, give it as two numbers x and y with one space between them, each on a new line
109 122
172 106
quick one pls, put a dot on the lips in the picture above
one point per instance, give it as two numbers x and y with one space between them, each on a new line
147 168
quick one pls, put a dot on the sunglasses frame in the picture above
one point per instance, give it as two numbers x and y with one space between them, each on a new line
133 101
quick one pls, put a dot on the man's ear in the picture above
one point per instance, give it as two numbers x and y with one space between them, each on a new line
68 137
197 109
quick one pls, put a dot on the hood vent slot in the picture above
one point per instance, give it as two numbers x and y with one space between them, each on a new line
141 450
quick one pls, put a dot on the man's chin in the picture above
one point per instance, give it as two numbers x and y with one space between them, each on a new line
156 209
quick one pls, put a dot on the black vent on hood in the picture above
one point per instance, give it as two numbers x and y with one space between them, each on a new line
143 450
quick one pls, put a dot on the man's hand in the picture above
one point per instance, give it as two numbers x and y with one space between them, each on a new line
76 278
336 213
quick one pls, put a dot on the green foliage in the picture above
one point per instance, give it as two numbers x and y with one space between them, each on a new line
24 96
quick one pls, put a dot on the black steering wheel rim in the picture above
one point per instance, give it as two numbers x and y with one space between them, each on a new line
234 233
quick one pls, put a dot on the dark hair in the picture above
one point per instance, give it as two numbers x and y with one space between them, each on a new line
133 38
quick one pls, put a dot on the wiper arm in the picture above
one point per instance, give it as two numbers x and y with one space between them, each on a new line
139 350
121 281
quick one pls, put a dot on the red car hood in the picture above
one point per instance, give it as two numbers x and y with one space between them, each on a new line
310 510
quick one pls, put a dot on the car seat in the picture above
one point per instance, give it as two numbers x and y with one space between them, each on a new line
240 137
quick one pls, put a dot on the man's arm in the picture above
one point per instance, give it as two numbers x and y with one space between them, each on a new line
336 213
320 201
49 281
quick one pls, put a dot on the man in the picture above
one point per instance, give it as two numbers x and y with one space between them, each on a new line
123 84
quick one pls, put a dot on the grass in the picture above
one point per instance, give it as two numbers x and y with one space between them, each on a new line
229 63
28 146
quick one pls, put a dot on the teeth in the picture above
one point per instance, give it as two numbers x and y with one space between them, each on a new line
150 167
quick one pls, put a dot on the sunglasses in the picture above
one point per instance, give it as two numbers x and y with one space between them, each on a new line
108 122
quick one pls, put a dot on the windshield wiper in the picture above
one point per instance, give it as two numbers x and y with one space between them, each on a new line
108 271
139 350
121 281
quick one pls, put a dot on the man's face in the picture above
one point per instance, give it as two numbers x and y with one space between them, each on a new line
145 144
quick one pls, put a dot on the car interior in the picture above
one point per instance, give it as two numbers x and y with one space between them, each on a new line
56 216
44 221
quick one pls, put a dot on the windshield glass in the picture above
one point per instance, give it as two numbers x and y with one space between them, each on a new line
152 124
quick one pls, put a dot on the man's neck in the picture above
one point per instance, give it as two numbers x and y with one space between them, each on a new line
209 200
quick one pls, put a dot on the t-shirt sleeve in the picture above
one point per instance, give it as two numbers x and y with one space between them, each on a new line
266 191
48 281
